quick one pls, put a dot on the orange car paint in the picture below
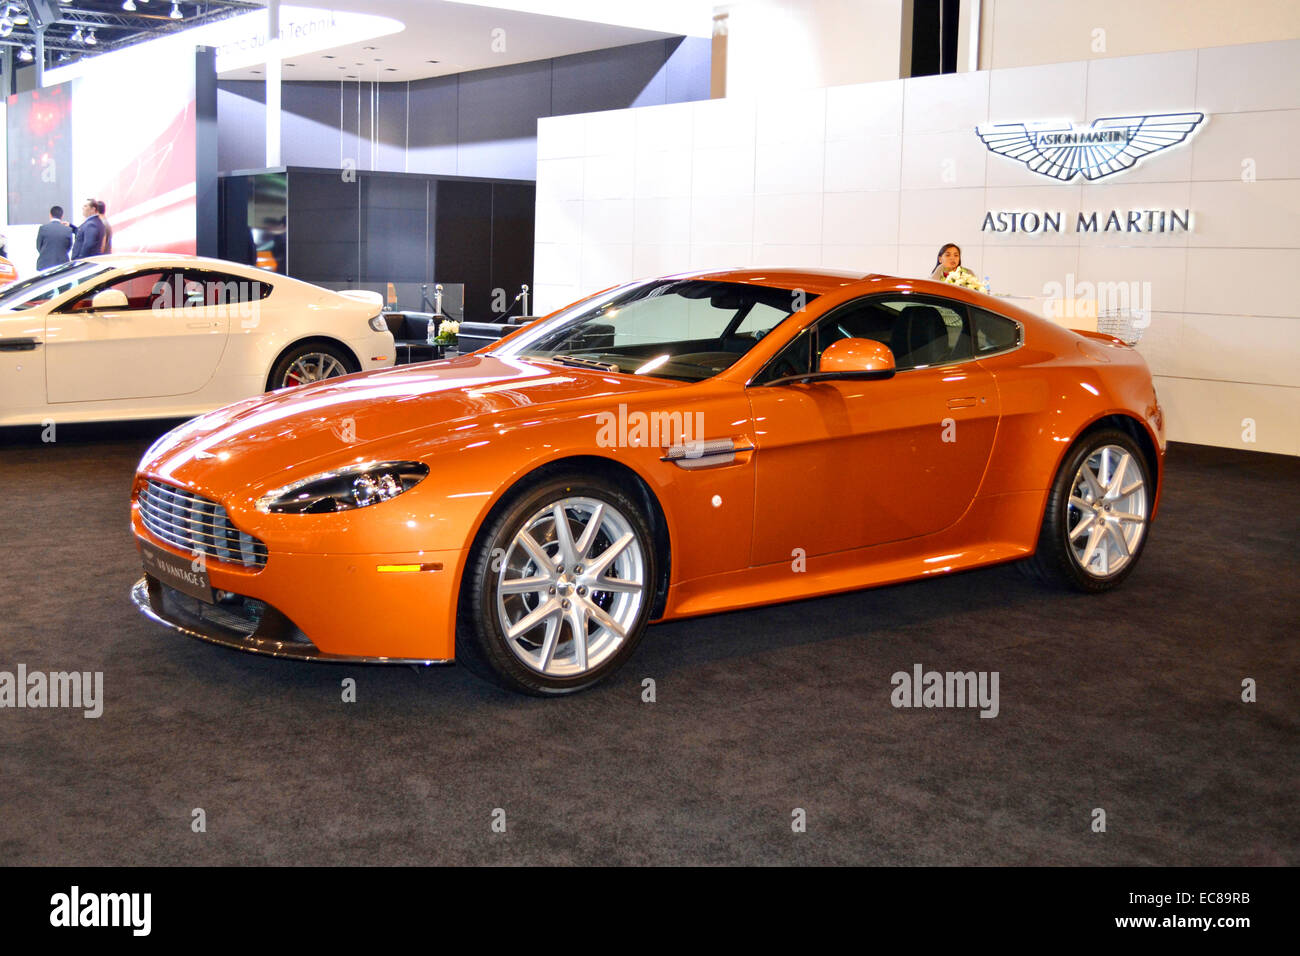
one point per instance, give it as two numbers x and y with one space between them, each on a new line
853 475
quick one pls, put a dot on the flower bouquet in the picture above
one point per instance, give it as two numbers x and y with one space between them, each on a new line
963 277
448 332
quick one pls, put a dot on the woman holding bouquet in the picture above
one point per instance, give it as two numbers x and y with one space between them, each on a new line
948 268
949 260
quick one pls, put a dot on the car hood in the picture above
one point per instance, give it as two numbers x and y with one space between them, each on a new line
336 421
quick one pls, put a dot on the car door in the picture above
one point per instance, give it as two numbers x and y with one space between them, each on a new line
168 341
850 464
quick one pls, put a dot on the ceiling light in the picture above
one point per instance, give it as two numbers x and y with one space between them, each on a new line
128 6
176 11
20 18
76 36
25 54
6 26
90 38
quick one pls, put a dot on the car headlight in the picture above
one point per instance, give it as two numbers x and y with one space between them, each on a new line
344 489
378 324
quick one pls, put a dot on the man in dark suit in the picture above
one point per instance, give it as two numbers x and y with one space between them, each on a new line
53 240
90 234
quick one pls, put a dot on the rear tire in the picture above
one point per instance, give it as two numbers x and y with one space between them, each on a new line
1097 517
310 362
549 608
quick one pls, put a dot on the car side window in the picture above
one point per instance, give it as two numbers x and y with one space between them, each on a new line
994 333
139 289
220 288
921 332
926 332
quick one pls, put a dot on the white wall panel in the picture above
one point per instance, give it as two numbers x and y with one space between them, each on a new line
659 259
934 216
1235 146
725 123
722 219
1129 85
949 160
1212 413
791 118
933 104
723 171
660 221
1257 76
857 219
858 164
562 136
788 220
663 174
789 168
1259 214
1241 282
611 219
609 176
1159 275
865 259
1058 91
1230 348
863 111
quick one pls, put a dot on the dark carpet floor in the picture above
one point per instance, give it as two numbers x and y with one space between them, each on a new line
1129 702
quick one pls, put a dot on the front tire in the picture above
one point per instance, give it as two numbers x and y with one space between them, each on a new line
1098 510
559 589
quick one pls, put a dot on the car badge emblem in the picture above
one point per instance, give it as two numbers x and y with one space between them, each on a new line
1062 150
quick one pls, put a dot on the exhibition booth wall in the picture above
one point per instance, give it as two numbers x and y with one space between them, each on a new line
480 123
152 162
874 177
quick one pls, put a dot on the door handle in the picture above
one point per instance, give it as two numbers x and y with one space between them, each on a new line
967 402
19 345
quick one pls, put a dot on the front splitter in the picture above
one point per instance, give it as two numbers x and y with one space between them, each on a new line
252 644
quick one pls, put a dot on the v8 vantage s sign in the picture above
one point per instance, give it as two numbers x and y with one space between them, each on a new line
1062 150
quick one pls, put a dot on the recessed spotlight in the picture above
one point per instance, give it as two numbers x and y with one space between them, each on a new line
370 48
390 69
431 61
350 77
327 56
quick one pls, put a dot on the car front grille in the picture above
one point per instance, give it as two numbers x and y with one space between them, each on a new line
197 525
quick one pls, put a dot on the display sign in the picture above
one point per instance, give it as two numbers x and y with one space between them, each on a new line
1062 150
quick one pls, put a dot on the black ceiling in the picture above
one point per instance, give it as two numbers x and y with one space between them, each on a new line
113 27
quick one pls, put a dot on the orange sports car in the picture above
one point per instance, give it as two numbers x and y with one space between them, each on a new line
667 448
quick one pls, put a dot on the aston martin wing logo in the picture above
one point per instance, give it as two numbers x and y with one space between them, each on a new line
1063 150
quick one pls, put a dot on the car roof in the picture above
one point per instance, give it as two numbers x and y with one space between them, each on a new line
127 260
817 281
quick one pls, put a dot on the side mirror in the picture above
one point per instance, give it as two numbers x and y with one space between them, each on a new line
849 357
109 300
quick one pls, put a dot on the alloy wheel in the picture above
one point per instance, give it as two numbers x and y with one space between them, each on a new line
312 367
1107 511
570 586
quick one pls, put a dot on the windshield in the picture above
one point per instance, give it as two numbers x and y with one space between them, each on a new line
686 329
49 284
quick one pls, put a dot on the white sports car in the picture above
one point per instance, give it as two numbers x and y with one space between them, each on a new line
166 336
